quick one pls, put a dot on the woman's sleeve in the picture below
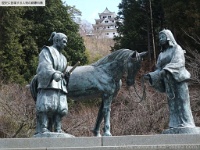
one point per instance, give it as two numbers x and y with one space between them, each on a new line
177 65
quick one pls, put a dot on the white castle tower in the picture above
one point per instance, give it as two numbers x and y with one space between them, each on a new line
105 27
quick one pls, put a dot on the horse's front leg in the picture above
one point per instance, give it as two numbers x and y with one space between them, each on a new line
107 100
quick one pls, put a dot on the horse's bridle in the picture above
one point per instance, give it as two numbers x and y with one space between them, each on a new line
143 97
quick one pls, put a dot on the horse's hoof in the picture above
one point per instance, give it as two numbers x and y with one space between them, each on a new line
45 130
107 134
60 131
96 133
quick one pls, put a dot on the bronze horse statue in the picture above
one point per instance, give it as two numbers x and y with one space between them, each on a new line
103 79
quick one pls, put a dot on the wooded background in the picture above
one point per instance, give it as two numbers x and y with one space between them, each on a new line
25 30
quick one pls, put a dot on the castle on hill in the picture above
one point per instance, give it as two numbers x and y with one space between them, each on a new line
105 26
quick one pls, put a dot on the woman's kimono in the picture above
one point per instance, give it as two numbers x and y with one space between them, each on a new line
174 83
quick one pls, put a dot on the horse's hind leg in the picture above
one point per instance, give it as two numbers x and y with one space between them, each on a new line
107 100
96 130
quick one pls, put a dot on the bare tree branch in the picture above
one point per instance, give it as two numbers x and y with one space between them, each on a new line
197 41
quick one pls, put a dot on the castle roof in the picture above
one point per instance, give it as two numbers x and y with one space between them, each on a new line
106 11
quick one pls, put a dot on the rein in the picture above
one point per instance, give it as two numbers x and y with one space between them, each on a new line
143 97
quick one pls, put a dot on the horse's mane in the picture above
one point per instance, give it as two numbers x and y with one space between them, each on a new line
120 54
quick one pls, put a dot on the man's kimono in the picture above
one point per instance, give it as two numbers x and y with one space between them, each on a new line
51 95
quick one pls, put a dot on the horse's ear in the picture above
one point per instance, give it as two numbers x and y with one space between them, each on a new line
143 54
133 55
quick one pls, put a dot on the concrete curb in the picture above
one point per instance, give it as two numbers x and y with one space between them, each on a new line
131 142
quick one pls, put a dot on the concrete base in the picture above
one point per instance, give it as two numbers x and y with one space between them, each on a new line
53 135
182 130
130 142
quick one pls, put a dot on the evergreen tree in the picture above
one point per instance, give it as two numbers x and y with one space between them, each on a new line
183 18
25 30
137 28
132 29
55 17
11 50
143 19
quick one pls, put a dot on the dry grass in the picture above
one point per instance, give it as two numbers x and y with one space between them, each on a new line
97 48
17 111
80 120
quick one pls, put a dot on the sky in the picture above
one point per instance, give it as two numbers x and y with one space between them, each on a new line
91 8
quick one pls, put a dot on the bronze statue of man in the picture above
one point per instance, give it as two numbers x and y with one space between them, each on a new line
51 99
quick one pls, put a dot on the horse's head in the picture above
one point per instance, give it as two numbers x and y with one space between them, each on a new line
133 66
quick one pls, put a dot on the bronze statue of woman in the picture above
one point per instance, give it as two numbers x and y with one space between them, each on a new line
171 77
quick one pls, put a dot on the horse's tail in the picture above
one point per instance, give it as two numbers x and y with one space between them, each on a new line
33 87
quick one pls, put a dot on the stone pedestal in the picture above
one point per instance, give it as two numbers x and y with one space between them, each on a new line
182 130
129 142
53 135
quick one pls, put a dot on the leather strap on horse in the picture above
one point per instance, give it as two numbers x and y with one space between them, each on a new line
143 97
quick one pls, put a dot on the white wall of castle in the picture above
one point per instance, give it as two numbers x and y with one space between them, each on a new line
107 27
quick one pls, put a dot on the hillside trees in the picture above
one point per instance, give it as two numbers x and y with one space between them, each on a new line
11 50
24 31
135 29
181 17
130 36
